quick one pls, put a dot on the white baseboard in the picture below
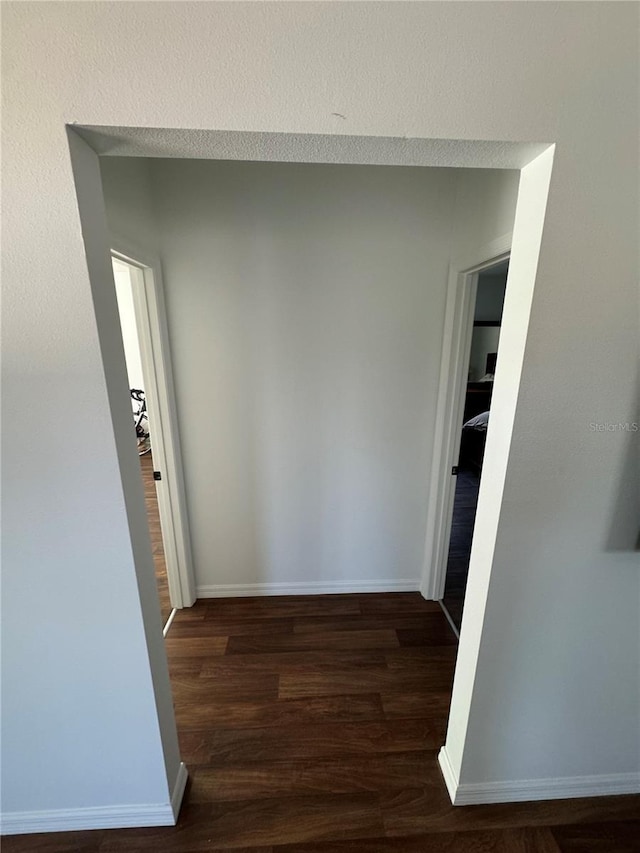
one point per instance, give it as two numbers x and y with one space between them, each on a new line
450 776
101 817
305 588
178 790
529 790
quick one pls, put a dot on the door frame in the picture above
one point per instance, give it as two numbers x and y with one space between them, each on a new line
153 339
454 367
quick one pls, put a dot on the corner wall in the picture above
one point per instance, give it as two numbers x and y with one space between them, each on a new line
88 735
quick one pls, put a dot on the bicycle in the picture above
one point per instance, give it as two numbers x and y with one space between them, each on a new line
141 421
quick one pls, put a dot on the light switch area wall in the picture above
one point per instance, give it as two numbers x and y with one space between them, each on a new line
126 312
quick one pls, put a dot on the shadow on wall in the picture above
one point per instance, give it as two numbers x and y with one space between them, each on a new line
624 527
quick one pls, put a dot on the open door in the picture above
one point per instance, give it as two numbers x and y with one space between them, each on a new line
145 340
477 392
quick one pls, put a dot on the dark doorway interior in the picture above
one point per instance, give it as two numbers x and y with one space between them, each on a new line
482 361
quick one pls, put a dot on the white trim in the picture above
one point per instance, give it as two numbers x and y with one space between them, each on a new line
167 624
100 817
305 588
445 610
450 777
563 788
458 329
274 147
178 790
529 790
156 365
527 235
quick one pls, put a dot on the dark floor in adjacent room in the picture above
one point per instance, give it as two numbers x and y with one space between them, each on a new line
313 724
464 515
153 517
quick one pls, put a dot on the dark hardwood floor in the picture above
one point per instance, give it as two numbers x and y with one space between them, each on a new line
153 516
312 725
464 516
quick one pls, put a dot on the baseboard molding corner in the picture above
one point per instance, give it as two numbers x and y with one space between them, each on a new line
449 774
531 790
178 790
305 588
562 788
101 817
425 591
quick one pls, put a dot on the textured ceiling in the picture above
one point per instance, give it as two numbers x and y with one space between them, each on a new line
307 148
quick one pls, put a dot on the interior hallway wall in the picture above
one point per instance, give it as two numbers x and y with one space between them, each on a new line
305 306
126 313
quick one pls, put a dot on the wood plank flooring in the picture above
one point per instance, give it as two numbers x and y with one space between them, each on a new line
153 517
312 725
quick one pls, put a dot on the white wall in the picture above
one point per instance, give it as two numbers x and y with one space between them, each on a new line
305 307
490 296
484 210
127 195
484 340
126 313
488 307
555 692
87 723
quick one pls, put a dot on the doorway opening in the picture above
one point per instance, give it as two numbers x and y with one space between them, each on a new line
151 392
490 290
533 182
124 278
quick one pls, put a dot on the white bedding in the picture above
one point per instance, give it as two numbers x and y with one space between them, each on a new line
479 422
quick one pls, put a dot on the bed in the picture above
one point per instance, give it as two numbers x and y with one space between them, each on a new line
474 436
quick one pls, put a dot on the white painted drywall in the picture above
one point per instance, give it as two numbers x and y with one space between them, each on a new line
129 204
484 340
91 209
555 691
490 296
489 301
126 313
252 253
484 210
81 718
305 307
